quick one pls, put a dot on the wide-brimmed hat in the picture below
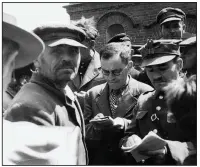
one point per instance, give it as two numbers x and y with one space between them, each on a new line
156 52
58 34
30 45
170 14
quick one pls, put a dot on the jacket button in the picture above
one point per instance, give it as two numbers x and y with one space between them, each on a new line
158 108
110 148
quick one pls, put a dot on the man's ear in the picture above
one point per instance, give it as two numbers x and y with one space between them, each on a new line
36 63
179 64
184 27
130 64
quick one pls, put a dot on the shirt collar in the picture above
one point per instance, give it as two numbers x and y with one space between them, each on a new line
121 89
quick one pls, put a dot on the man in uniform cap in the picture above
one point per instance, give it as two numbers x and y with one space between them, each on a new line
124 38
161 59
171 21
46 100
134 73
189 55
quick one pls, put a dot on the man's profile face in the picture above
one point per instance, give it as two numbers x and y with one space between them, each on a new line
60 63
162 74
173 29
114 71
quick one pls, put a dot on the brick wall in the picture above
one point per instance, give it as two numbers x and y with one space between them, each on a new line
137 18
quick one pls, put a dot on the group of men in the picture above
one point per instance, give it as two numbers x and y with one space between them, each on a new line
83 106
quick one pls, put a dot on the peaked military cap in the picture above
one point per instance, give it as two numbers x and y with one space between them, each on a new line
170 14
122 37
54 35
159 51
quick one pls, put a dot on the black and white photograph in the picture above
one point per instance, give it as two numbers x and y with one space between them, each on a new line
99 83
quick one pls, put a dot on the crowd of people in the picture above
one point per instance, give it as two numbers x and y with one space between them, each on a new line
81 107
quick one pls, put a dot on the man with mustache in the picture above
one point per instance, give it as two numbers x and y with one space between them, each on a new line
46 100
171 21
162 62
114 101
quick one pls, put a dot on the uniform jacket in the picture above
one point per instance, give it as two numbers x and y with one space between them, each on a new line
104 144
41 103
152 113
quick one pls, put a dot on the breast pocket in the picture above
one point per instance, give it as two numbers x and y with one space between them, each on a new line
141 114
144 122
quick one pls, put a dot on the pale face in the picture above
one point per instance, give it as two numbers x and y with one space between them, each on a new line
162 74
60 63
173 29
115 71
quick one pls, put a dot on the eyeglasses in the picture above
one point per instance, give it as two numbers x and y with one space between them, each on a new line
116 72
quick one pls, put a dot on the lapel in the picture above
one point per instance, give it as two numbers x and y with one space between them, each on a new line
76 114
102 101
92 70
127 100
77 81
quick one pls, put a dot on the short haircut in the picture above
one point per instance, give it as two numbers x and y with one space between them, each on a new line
181 96
116 49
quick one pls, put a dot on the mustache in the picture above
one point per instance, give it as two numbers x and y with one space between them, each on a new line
66 64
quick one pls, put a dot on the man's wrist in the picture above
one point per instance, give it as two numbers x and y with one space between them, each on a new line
120 122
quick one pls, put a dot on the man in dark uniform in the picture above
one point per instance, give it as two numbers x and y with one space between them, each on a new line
171 22
161 59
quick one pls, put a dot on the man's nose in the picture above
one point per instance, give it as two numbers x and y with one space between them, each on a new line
111 76
157 75
172 30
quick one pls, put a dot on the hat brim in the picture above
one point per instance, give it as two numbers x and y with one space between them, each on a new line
157 60
170 19
66 41
137 55
31 46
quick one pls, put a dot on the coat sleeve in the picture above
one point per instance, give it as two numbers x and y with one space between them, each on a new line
91 132
25 112
44 145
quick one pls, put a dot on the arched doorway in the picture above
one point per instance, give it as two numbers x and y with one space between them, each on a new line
113 30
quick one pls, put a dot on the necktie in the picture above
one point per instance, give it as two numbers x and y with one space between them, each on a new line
113 102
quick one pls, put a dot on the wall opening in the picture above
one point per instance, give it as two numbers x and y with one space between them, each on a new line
113 30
